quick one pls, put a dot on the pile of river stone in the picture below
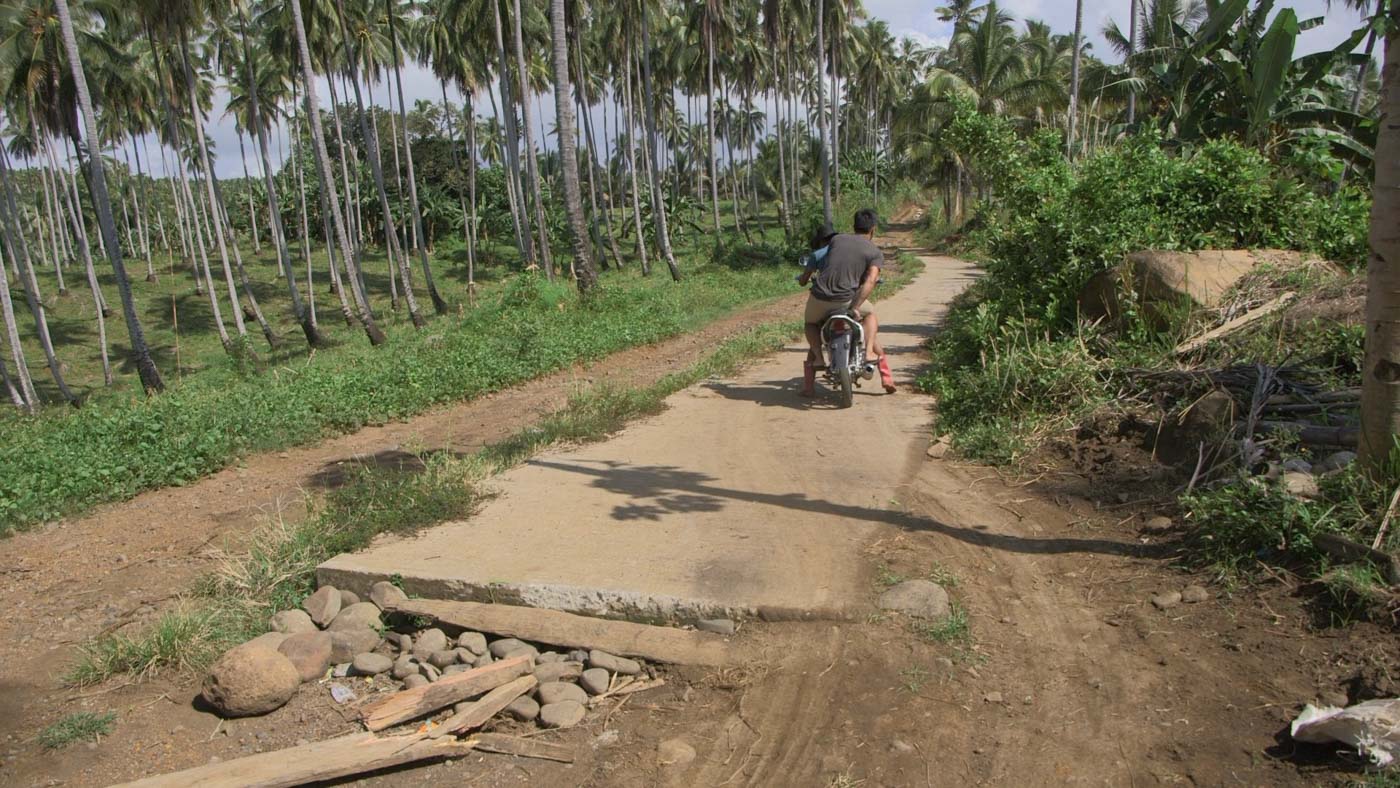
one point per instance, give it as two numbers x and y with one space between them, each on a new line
335 634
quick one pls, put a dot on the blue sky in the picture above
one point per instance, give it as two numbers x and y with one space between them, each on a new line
913 18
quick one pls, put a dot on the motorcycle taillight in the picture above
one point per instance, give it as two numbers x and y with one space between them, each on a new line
841 327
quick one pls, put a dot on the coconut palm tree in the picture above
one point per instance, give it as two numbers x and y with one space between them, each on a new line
141 354
584 271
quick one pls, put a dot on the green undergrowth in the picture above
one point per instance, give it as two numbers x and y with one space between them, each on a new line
113 448
76 727
276 569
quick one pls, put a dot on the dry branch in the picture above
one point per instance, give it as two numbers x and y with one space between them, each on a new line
1239 323
421 701
520 747
491 704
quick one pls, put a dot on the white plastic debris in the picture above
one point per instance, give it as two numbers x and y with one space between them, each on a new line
341 693
1373 728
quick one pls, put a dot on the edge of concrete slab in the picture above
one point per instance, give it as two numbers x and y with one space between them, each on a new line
640 606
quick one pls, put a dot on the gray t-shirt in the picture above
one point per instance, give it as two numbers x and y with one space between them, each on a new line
847 262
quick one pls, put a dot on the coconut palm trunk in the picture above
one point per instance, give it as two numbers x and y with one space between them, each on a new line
323 170
821 114
1380 385
1074 77
710 111
248 193
585 273
658 199
532 164
514 188
24 397
632 165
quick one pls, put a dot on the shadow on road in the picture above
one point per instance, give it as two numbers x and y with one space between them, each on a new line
655 491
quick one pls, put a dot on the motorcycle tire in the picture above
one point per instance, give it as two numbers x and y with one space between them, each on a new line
841 360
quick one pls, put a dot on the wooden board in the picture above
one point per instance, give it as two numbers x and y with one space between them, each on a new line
326 760
521 747
1252 316
408 704
491 704
622 638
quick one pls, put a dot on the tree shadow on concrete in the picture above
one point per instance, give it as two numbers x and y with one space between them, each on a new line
657 490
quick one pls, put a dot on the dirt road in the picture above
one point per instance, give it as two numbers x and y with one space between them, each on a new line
1059 672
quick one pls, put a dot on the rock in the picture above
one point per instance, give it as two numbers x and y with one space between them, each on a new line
358 616
595 681
292 622
524 708
1155 283
1334 699
415 681
464 656
475 642
249 680
1167 601
1334 462
372 664
451 669
674 752
1301 485
606 661
560 691
441 659
429 672
578 655
557 671
483 660
548 657
506 647
346 643
562 715
992 697
310 653
1297 465
429 641
385 594
719 626
404 667
322 606
340 671
939 448
270 639
918 598
901 746
1193 594
607 738
1158 524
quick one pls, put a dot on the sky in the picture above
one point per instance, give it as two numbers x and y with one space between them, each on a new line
917 19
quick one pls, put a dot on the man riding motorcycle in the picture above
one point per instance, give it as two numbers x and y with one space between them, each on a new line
843 281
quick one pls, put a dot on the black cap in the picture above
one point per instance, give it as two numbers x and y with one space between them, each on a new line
823 235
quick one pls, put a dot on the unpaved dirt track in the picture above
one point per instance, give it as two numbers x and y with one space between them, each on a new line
1068 676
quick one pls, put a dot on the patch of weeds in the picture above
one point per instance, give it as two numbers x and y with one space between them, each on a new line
887 577
1354 593
953 629
1385 779
845 780
187 639
942 575
76 727
915 677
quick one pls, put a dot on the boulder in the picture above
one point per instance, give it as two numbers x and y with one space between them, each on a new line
918 598
348 598
249 680
363 615
322 606
1159 283
270 639
346 643
292 622
386 594
309 652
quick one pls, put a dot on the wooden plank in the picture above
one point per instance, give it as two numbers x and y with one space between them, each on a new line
491 704
408 704
521 747
326 760
623 638
1252 316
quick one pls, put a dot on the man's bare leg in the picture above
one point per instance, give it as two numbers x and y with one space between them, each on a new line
875 350
814 360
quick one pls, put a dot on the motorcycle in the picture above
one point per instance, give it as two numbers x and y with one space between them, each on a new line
844 339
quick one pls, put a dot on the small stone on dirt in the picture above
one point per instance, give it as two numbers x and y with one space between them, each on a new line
429 672
249 680
386 594
992 697
1297 465
557 671
429 641
719 626
524 708
560 691
1301 485
901 746
340 671
452 669
578 655
346 643
372 664
595 681
441 659
612 664
483 660
1158 524
675 752
510 647
323 605
357 616
939 449
404 667
1335 462
309 653
1167 601
548 657
1193 594
918 598
562 715
292 622
475 642
414 682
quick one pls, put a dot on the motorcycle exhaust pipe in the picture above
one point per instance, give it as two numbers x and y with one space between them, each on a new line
868 371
